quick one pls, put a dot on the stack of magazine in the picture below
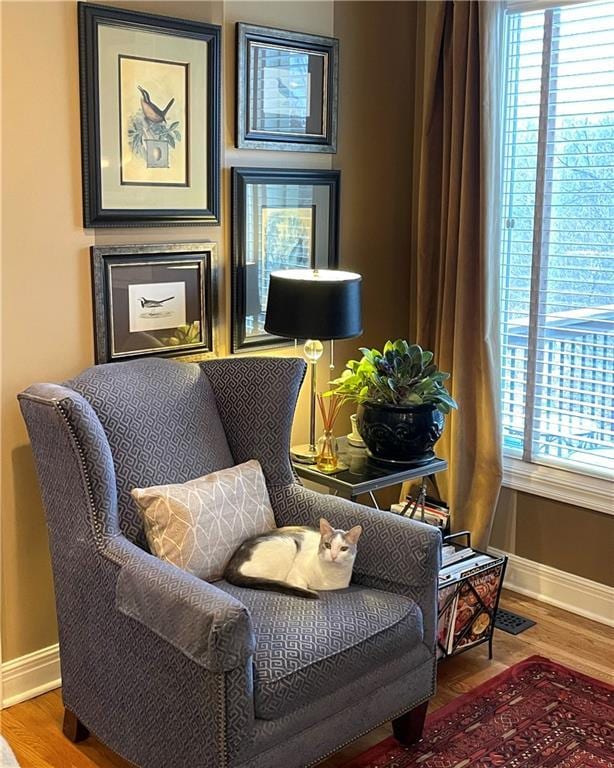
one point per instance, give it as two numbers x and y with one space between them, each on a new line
458 563
469 585
436 512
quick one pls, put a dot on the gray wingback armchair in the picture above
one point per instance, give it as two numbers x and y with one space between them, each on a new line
174 672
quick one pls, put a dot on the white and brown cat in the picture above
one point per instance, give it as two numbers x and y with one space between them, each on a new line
296 560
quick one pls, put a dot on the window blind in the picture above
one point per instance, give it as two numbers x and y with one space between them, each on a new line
557 242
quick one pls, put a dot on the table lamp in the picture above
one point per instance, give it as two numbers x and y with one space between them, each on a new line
316 305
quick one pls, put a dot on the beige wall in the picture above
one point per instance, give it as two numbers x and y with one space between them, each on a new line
46 304
569 538
375 118
376 99
46 309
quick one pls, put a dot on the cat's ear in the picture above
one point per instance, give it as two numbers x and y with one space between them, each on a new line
326 529
353 534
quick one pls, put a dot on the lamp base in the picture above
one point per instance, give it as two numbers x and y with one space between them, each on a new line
304 454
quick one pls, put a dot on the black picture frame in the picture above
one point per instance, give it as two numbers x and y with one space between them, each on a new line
253 131
190 197
122 330
248 262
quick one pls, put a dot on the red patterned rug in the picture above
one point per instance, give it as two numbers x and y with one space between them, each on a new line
536 714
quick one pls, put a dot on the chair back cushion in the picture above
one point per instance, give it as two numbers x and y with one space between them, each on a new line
199 525
162 424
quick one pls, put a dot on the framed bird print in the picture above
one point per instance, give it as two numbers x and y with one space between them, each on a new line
150 119
287 86
282 219
152 300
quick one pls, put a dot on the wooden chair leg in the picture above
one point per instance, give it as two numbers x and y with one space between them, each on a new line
73 728
408 728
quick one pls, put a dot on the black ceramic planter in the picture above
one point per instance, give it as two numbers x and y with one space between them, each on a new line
400 434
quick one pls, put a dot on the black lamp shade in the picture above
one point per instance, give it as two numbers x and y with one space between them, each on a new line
314 304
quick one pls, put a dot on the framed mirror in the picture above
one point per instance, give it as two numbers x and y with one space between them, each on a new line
282 219
287 86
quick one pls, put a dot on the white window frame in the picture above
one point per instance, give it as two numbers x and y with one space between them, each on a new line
567 486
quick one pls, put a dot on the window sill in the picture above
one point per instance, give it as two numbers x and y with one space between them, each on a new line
561 485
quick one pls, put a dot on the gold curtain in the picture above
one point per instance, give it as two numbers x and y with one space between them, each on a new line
455 258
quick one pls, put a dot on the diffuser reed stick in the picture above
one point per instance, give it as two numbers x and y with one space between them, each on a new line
329 410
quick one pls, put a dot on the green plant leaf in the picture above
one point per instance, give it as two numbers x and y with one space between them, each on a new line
399 346
404 374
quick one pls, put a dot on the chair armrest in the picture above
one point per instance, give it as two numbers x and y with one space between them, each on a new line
395 554
208 625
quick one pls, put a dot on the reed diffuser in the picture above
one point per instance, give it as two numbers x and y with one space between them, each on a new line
327 456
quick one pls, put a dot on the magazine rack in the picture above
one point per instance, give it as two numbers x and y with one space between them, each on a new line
468 606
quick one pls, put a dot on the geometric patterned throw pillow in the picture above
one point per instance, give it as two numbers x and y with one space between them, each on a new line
198 525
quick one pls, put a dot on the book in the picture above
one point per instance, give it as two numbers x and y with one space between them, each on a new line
433 516
444 621
474 607
465 567
437 504
450 555
483 561
432 519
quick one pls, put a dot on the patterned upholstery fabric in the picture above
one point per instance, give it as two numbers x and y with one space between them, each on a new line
200 620
335 700
395 554
256 398
308 735
198 525
158 664
162 425
124 681
307 647
82 429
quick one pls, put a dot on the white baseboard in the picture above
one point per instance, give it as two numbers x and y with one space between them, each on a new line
31 675
565 590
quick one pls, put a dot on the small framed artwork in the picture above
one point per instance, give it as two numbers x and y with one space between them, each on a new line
152 300
150 115
287 86
282 219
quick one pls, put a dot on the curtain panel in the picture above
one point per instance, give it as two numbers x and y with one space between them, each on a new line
455 261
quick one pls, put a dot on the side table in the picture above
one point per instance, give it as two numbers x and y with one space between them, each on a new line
364 475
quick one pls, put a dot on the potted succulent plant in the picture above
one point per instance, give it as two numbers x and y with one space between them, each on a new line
401 401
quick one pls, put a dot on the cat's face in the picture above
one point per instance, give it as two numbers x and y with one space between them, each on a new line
337 546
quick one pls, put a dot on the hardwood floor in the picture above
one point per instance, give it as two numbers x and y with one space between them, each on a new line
34 728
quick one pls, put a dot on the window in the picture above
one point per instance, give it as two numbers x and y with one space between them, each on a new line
557 239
